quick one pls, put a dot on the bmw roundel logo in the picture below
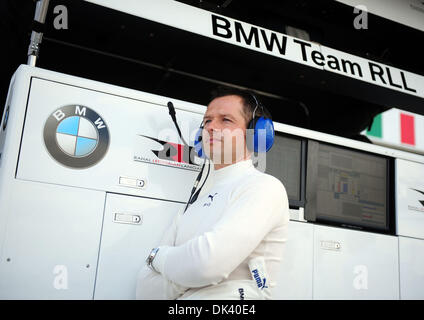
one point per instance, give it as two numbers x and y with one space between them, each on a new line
76 136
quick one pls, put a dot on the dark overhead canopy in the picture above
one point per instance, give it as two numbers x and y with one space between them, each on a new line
125 50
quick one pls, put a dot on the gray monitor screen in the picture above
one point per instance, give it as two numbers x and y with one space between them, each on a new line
284 161
351 187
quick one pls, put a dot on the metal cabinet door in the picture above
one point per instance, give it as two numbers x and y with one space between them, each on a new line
352 264
132 226
52 241
411 261
295 277
409 198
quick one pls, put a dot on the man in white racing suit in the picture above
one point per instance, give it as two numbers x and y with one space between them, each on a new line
229 243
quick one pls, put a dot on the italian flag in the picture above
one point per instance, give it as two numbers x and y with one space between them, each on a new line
398 127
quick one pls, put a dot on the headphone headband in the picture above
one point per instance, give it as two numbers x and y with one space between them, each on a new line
258 104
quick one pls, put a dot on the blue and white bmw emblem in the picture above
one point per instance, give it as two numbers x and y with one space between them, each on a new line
76 136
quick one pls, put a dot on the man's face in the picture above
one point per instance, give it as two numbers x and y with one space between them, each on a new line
224 134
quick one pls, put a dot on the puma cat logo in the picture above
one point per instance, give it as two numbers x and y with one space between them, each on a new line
211 199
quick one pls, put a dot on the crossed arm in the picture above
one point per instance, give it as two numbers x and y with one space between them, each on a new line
252 212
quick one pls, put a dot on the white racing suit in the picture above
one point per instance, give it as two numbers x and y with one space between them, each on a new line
227 245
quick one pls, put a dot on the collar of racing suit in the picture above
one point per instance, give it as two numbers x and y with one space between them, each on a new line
232 171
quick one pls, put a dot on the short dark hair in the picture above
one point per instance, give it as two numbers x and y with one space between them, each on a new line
249 99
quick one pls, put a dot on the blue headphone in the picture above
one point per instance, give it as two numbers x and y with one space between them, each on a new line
257 123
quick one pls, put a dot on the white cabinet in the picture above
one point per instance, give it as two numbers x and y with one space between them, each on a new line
411 261
295 278
354 264
410 198
132 227
52 240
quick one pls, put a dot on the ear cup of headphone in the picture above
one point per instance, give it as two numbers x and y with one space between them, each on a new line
260 127
198 143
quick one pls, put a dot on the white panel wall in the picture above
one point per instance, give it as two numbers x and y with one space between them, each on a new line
409 193
126 119
52 242
411 255
125 246
295 278
354 264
